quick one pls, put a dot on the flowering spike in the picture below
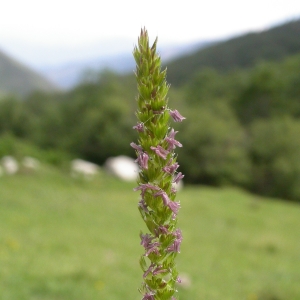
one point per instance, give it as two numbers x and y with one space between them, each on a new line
157 161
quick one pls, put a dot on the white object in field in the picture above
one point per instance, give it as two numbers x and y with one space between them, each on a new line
122 167
86 169
30 163
10 165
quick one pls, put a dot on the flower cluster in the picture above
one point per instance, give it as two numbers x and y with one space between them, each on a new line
158 174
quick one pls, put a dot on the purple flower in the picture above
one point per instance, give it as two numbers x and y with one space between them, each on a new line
171 168
174 206
175 247
159 270
172 133
139 127
136 147
178 177
148 296
160 151
143 160
153 248
146 241
143 187
143 205
173 190
161 230
171 141
177 117
151 267
178 234
164 197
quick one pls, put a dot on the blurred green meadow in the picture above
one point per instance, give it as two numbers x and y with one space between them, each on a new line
62 238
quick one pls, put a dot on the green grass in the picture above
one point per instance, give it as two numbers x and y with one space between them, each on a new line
64 239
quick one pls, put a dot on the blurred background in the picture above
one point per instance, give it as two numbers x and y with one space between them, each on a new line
67 107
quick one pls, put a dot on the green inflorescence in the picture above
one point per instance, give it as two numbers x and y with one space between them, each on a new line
158 174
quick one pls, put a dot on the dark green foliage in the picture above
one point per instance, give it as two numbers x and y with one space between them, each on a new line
271 90
214 149
12 116
275 153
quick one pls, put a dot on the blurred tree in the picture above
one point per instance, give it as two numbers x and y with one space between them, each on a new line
12 116
214 149
271 90
263 96
98 120
275 152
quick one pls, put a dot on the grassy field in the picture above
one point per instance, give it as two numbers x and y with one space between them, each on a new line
64 239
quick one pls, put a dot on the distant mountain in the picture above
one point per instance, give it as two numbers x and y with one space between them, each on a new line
67 75
18 79
67 65
239 52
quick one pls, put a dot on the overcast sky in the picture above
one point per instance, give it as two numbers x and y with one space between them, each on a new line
48 32
74 22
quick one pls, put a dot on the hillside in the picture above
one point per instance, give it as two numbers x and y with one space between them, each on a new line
239 52
18 79
67 239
